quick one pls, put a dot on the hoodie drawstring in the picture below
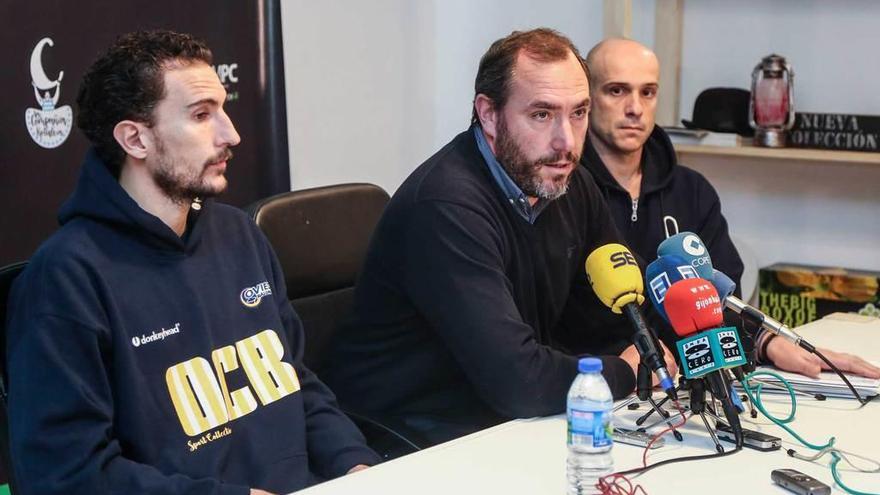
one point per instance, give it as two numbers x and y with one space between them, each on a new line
668 219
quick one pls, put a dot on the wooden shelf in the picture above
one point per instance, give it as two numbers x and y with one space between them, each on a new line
750 151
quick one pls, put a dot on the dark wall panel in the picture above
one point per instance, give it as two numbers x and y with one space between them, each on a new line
40 147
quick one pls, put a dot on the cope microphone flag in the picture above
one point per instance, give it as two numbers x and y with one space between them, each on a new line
617 282
689 247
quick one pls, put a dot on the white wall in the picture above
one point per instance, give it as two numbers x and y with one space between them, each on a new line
832 47
804 212
375 88
816 213
359 89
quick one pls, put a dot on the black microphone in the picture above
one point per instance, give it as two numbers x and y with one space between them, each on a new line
725 286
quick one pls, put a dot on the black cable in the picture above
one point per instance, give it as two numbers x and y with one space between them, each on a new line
739 438
642 470
755 317
809 347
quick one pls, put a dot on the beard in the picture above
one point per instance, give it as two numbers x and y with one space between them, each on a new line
525 173
182 184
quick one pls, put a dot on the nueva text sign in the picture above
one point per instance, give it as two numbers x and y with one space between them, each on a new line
833 131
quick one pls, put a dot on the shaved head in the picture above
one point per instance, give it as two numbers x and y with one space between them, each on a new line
614 52
623 87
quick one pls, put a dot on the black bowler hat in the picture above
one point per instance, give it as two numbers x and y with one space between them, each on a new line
722 110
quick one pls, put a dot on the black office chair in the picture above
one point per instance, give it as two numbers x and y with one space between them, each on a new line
7 276
321 237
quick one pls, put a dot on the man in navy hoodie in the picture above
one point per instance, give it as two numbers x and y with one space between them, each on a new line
151 345
652 197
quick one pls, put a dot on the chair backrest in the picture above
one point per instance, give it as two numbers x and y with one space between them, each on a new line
7 276
321 237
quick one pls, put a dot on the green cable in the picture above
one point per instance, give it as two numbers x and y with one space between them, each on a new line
782 423
756 400
835 459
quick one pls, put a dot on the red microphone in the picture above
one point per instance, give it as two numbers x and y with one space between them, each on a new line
693 305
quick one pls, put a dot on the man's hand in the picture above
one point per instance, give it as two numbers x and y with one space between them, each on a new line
255 491
631 356
790 357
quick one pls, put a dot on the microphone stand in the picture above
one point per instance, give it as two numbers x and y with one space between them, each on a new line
644 394
698 406
697 395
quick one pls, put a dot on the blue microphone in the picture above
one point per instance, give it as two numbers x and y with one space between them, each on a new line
723 284
661 274
690 247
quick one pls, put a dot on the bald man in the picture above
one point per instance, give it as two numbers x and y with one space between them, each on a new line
650 196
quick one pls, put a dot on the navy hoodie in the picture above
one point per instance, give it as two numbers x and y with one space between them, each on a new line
143 362
668 190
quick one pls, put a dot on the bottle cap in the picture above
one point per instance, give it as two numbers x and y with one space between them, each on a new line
589 365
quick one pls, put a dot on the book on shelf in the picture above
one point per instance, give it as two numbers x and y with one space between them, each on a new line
702 137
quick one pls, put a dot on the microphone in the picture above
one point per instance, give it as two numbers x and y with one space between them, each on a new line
661 274
689 247
758 318
706 349
616 279
695 314
726 286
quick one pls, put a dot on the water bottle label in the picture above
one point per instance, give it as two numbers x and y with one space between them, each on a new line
589 428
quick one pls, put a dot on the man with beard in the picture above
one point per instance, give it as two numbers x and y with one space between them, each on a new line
479 259
652 197
151 345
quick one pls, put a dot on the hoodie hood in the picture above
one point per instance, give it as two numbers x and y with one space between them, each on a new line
656 174
100 198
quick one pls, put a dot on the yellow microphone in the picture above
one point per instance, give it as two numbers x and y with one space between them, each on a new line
617 281
615 276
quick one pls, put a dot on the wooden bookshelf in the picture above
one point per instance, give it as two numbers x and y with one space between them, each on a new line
750 151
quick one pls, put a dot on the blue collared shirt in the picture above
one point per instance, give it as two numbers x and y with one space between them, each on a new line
514 194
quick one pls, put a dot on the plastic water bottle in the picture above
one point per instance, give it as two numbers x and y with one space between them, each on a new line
589 428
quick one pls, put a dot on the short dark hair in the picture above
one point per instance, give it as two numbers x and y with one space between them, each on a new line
496 65
126 83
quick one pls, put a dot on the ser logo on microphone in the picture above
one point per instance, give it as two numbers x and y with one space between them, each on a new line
622 258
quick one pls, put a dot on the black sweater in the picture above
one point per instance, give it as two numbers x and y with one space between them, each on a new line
459 296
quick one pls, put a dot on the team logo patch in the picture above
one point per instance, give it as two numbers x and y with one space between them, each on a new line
48 125
252 296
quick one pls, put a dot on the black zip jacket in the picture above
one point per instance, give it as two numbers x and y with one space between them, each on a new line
671 194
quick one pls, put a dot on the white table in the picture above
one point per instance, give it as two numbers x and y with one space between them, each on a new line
528 456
